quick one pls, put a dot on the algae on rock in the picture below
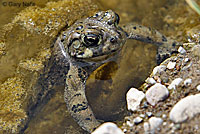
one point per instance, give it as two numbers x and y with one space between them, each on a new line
24 49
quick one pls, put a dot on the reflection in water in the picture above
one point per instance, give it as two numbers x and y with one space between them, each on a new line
107 94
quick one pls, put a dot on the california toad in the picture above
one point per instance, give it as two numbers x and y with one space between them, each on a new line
87 44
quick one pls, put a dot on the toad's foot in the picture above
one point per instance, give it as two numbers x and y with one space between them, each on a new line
75 98
166 46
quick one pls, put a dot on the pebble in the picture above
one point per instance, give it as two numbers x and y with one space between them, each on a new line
156 93
185 109
129 123
108 128
150 81
146 127
181 50
134 98
154 123
188 82
159 69
196 50
137 120
149 114
198 87
171 65
186 59
175 83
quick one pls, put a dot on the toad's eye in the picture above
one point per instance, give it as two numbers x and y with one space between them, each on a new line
91 40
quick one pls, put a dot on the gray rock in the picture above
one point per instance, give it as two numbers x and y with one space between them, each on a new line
134 98
188 82
181 50
175 83
159 69
156 93
108 128
154 123
171 65
185 109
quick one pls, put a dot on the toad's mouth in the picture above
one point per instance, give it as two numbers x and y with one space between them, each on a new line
101 58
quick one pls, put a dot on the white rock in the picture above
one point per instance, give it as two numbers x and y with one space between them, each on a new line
129 123
185 109
156 93
187 82
186 59
108 128
150 81
159 69
134 98
181 50
155 122
137 120
146 127
175 83
171 65
198 87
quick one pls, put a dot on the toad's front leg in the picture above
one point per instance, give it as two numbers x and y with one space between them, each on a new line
76 100
166 46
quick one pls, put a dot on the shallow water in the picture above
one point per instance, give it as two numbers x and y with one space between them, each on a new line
134 64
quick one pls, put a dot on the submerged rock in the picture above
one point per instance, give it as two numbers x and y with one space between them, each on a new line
196 51
25 47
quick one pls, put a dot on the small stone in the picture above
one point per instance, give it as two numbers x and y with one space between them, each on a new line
198 87
196 50
150 81
185 109
137 120
159 69
129 123
181 50
108 128
142 116
186 59
164 116
155 123
175 83
171 65
188 82
146 127
134 98
149 114
156 93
